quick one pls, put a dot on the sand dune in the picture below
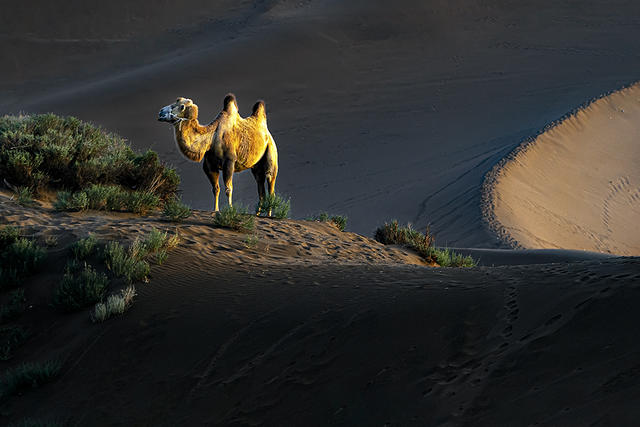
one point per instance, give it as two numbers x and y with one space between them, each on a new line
315 327
378 112
577 184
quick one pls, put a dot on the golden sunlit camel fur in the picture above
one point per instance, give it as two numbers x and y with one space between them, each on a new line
229 143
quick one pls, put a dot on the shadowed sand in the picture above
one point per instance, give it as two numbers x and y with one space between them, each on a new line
317 327
577 184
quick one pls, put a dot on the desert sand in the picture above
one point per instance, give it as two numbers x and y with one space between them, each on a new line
577 184
314 327
411 110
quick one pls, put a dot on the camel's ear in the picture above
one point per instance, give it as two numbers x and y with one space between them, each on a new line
190 111
259 110
230 103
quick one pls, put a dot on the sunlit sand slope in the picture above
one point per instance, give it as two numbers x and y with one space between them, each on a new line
576 185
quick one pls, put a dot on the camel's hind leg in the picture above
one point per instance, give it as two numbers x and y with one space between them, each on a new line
227 175
213 175
259 175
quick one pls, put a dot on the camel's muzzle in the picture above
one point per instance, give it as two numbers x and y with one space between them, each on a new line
165 115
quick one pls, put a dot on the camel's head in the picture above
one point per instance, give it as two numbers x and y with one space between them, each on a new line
182 109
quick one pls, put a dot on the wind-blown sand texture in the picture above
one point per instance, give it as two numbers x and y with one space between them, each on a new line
315 327
577 184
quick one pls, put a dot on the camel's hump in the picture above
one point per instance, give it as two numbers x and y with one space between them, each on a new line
259 109
230 103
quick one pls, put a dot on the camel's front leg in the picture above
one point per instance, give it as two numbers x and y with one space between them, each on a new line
213 174
227 175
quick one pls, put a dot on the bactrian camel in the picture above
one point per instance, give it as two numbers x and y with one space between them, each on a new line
228 144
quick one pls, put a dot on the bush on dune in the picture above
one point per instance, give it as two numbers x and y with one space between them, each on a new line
274 205
48 152
28 375
393 234
19 257
236 218
79 288
175 210
340 221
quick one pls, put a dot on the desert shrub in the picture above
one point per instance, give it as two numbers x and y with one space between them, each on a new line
393 234
67 201
340 221
63 153
79 289
14 307
109 197
10 338
123 264
175 210
19 257
251 241
24 196
83 248
114 305
235 218
8 235
28 375
274 205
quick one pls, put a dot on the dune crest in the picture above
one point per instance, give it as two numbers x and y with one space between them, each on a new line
576 185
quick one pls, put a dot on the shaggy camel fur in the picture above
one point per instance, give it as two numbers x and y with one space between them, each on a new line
229 143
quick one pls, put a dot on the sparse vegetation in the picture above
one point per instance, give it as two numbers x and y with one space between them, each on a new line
274 205
393 234
24 196
235 218
339 221
251 241
176 211
131 264
123 264
83 162
114 305
10 338
14 307
19 257
111 198
83 248
79 288
51 241
28 375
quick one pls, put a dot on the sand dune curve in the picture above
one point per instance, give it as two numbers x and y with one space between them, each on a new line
577 184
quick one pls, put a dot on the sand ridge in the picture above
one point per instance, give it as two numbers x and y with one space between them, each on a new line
576 185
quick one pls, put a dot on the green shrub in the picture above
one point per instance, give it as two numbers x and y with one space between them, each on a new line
176 211
24 196
14 307
114 305
235 218
339 221
28 375
274 205
77 155
112 198
8 235
123 263
19 257
393 234
80 289
251 241
10 338
72 202
83 248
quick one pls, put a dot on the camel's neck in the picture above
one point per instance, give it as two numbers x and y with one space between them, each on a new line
193 139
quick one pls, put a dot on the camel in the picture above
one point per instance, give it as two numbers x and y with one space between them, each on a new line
228 144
